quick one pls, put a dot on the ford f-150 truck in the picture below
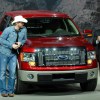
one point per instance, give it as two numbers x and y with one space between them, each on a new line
55 51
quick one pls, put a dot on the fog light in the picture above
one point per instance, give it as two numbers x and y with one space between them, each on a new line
92 74
32 63
89 61
30 76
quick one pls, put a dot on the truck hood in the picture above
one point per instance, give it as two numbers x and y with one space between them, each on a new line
47 42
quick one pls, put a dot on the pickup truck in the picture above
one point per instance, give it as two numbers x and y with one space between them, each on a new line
55 52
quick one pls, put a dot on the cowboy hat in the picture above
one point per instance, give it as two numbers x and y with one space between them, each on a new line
19 19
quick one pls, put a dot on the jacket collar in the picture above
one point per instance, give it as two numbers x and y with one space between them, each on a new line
13 28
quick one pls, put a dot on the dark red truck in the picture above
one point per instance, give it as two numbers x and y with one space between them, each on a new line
54 53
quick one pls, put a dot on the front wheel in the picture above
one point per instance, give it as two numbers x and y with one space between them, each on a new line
20 87
90 85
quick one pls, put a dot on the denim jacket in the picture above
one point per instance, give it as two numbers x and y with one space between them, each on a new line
8 38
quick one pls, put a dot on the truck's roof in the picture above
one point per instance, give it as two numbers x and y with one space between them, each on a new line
36 13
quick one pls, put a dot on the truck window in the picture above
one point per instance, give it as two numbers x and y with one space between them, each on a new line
4 22
71 27
51 27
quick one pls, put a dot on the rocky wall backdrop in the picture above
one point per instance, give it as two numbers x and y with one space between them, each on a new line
86 13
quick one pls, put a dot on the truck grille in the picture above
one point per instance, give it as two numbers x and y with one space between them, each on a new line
62 56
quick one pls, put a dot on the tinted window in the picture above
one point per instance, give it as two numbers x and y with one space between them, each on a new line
51 27
4 23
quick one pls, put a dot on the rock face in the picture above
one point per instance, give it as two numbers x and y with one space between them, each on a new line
86 13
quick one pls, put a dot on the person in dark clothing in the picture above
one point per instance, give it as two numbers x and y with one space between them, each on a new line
96 44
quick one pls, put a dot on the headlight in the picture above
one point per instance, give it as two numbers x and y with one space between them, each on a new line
91 55
27 57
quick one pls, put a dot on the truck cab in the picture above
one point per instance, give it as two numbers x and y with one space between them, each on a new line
55 51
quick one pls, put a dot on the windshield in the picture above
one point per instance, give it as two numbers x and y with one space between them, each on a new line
51 27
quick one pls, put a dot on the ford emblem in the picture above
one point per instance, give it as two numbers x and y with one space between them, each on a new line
62 57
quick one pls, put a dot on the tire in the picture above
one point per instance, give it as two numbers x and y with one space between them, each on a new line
89 85
20 87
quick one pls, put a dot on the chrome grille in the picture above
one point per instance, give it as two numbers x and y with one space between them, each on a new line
62 56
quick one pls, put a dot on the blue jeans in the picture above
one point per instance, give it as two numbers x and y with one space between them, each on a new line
10 62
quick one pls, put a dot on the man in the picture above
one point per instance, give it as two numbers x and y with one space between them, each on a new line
11 40
96 43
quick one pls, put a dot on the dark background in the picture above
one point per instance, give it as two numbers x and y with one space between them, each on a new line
86 13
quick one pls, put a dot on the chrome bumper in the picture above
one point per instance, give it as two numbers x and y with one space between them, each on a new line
58 76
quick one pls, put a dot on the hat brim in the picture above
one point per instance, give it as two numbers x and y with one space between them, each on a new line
24 21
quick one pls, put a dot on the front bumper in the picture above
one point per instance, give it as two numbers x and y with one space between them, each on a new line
75 76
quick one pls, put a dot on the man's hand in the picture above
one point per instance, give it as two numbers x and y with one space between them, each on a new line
15 46
98 38
18 43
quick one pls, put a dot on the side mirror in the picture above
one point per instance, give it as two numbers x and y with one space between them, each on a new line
88 33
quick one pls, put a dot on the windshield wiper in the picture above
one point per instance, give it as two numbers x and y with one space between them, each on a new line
69 35
51 35
36 36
